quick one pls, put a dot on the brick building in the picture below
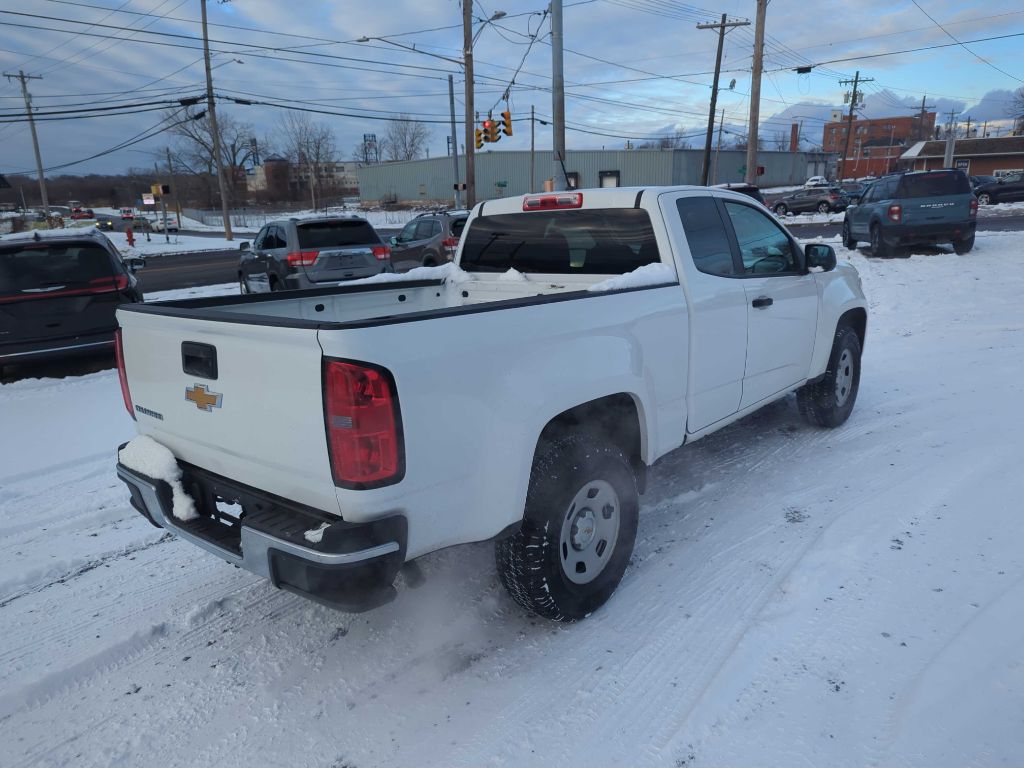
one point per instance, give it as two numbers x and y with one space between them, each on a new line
976 157
875 145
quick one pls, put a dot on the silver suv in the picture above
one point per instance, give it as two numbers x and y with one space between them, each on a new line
311 253
430 239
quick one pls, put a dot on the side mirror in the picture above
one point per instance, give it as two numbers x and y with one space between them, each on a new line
134 264
393 240
243 246
821 256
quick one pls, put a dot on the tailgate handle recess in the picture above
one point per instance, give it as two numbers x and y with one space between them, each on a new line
199 359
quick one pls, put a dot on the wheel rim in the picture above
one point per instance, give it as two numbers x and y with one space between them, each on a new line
590 529
823 208
781 210
844 377
984 199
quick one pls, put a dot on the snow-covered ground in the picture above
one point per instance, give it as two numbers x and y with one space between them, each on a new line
797 597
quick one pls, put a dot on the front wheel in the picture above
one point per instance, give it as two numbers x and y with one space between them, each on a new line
781 209
243 285
578 529
964 246
828 401
984 199
824 207
848 239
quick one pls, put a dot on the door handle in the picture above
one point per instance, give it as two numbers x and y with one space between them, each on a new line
762 302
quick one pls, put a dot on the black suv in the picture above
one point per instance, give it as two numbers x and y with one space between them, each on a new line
1004 189
58 293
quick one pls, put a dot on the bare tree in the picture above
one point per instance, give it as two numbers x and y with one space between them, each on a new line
1016 111
673 141
405 139
311 146
193 151
780 140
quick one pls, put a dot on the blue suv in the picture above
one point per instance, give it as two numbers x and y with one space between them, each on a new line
914 208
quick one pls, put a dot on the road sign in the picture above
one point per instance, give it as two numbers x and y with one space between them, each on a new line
148 199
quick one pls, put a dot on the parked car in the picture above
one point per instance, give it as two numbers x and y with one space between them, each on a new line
81 213
750 190
310 253
171 223
127 214
820 199
915 208
977 181
817 181
325 439
430 239
853 190
58 293
1005 189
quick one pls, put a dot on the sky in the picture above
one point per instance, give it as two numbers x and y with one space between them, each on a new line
634 69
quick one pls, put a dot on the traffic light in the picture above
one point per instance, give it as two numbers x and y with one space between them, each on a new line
479 139
491 130
506 123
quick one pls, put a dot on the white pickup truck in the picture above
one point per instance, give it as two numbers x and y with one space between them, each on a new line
325 438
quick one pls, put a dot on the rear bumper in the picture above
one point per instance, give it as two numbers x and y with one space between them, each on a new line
919 234
28 351
352 568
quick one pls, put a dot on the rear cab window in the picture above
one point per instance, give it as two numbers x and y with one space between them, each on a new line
330 234
38 270
609 241
937 184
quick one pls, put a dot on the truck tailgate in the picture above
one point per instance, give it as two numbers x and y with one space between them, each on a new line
259 421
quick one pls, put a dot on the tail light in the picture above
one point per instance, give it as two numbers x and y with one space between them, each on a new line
364 431
94 286
302 258
451 243
974 207
122 374
833 196
895 213
382 252
554 202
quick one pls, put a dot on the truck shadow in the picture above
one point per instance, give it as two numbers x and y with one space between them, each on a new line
81 365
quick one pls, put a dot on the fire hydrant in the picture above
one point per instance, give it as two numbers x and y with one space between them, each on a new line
131 236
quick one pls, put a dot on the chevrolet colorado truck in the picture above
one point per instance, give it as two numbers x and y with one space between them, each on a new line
324 438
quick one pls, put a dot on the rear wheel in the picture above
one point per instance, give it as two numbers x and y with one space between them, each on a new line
781 209
879 248
823 207
964 246
578 529
848 239
430 260
243 286
828 401
984 199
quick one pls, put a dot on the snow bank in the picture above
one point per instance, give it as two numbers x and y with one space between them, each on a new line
649 274
513 276
147 456
450 273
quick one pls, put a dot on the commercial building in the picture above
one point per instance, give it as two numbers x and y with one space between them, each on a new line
280 178
508 173
976 157
875 145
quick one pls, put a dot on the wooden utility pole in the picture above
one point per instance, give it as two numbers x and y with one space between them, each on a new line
467 58
755 91
921 135
967 132
532 149
947 160
557 100
721 27
857 80
174 185
718 148
211 107
35 139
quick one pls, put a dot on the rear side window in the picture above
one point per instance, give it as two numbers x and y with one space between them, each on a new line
706 236
456 226
936 184
38 269
329 234
609 241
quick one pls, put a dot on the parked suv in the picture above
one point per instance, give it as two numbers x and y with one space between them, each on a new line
58 293
1004 189
820 199
750 190
921 207
310 253
430 238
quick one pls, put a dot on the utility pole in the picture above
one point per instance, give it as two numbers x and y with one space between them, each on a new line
718 147
174 185
967 133
557 99
857 80
947 160
35 139
921 135
211 107
455 141
467 58
755 91
532 150
984 130
721 27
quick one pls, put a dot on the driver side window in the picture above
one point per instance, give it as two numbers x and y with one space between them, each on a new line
764 247
408 232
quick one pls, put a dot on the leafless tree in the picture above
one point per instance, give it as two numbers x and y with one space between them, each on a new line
311 146
193 150
780 140
674 141
405 139
1016 111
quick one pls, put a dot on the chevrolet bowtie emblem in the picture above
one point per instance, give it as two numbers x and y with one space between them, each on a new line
204 399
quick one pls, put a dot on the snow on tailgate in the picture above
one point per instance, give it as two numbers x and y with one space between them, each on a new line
797 596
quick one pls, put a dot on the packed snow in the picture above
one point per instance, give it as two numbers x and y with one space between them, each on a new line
449 273
797 596
641 277
146 456
316 535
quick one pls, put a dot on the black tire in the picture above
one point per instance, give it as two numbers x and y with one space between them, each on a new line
848 239
825 402
272 282
985 199
879 248
530 563
430 260
780 209
824 207
964 246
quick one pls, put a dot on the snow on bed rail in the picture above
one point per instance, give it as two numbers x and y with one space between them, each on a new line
146 456
449 273
641 277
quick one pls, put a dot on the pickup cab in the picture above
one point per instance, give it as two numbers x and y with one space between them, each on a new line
325 438
914 208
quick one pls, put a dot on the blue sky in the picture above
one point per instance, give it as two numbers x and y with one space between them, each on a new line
617 54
